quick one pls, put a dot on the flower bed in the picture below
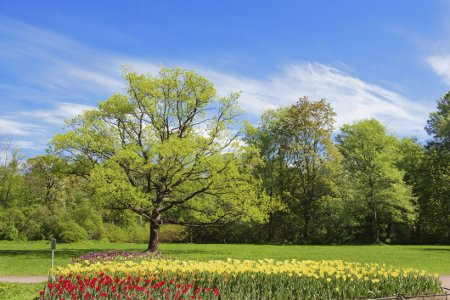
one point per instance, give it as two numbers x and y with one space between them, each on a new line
113 255
235 279
103 286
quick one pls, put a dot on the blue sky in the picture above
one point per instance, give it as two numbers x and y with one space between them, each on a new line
384 59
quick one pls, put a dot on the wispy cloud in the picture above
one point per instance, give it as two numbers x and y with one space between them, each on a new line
57 78
56 64
14 127
352 98
441 65
30 128
21 144
57 115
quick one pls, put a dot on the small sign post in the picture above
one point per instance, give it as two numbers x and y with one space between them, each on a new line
53 250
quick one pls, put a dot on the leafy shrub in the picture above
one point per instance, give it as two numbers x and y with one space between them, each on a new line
172 233
33 228
71 232
10 222
137 234
90 220
8 232
114 233
236 232
50 226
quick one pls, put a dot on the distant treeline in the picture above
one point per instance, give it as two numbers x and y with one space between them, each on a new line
363 185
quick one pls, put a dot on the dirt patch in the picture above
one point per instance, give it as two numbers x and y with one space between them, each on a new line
445 279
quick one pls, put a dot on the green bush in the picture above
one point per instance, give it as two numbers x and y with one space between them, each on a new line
172 233
50 226
114 233
90 220
70 232
8 232
137 234
10 221
33 228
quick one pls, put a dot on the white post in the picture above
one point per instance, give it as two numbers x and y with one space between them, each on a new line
53 257
53 247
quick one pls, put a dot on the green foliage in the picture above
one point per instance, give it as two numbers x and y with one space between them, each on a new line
137 234
300 162
70 231
8 231
436 176
233 233
133 233
173 233
167 152
438 124
10 222
370 157
44 178
12 188
114 233
90 220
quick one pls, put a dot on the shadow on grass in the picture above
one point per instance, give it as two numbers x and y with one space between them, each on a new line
66 253
39 253
73 253
187 252
436 249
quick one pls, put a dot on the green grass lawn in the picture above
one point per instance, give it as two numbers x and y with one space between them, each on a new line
33 258
15 291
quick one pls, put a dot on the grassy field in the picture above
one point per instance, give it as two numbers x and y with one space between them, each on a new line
33 258
15 291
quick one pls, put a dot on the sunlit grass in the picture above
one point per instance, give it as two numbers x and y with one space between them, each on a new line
33 258
16 291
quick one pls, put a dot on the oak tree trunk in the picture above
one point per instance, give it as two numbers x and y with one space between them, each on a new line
155 224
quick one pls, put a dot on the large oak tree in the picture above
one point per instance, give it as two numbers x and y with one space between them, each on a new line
168 151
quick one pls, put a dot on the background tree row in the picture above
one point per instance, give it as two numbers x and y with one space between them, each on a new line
171 153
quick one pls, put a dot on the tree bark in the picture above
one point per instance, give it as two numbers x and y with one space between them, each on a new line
306 226
307 218
375 230
155 224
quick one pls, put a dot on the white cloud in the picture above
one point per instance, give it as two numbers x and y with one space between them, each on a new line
15 127
33 126
54 63
21 144
69 77
351 98
57 115
441 65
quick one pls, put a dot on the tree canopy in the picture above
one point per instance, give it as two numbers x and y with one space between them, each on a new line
370 156
300 158
169 160
167 150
